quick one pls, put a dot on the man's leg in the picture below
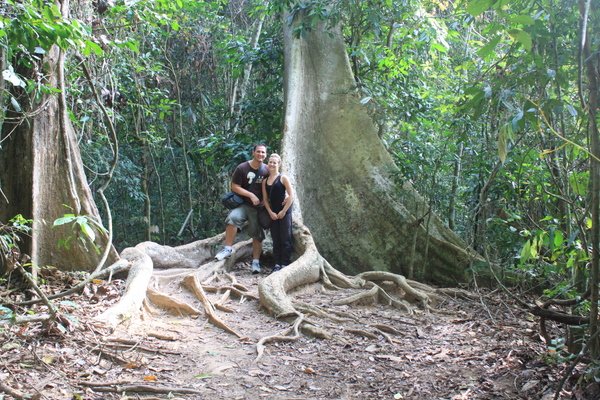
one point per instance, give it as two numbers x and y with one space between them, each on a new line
236 218
230 234
257 234
256 249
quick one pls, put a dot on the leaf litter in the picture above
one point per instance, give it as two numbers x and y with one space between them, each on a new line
486 349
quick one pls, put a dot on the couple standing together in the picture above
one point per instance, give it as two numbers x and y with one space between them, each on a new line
261 185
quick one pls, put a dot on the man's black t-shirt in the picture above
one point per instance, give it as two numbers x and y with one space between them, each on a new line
250 178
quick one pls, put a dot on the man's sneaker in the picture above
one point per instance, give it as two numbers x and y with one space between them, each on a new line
276 268
224 253
255 267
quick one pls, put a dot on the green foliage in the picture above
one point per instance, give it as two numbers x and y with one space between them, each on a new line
83 227
11 233
167 73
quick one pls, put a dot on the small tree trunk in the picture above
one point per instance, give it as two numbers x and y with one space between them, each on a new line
454 190
590 67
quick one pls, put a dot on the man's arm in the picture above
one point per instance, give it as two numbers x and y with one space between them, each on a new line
236 188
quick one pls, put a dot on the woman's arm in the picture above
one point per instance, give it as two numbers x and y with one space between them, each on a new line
290 193
266 200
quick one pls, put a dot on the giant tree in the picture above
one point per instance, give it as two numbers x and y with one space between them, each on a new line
349 196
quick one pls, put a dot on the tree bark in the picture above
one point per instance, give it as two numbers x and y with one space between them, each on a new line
348 187
42 172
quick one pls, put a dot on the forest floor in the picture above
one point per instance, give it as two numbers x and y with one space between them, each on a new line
472 349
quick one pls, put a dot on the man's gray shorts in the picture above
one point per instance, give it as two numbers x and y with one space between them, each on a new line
245 218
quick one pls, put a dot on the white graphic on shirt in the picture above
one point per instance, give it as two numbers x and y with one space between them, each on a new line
250 177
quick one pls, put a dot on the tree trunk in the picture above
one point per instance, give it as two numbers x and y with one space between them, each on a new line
42 172
589 65
348 188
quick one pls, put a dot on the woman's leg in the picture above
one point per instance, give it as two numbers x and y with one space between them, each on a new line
285 237
276 236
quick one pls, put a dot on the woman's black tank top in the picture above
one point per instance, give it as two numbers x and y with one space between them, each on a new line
276 193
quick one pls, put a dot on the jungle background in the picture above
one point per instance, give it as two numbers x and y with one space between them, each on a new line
488 107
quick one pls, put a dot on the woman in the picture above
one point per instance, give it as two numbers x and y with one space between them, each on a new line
276 188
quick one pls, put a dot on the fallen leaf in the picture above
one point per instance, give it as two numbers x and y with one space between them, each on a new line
389 357
150 378
529 385
372 348
48 359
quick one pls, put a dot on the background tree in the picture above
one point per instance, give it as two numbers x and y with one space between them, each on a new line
42 172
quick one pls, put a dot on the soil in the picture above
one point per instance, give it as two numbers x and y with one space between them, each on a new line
469 349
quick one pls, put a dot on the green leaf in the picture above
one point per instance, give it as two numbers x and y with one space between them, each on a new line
504 135
92 46
87 230
489 47
66 219
579 182
558 239
522 19
522 37
439 47
476 7
526 252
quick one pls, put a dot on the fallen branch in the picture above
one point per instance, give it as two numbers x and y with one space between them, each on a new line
17 394
123 388
116 268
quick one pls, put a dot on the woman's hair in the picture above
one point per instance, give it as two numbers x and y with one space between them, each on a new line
275 155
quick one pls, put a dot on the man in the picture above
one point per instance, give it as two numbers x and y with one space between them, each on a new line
246 181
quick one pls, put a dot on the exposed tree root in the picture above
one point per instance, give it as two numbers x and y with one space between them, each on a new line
192 268
361 332
171 304
283 337
192 282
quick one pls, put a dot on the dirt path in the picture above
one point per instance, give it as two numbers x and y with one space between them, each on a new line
473 350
